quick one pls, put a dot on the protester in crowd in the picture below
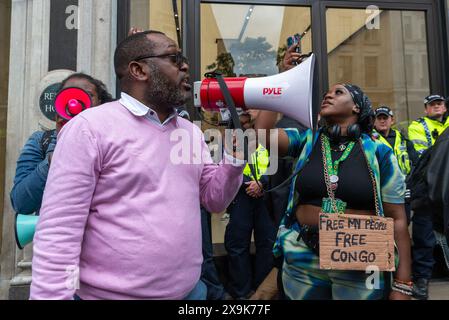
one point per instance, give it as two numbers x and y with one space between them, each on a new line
248 213
428 183
115 215
437 183
35 159
423 133
366 181
402 147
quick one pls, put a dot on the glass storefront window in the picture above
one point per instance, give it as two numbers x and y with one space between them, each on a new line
249 39
157 15
389 62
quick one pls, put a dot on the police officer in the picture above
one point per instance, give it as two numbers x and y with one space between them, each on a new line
423 133
402 147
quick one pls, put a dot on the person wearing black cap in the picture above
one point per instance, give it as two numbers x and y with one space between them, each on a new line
403 148
424 131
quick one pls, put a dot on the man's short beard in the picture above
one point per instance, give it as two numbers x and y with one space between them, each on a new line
162 91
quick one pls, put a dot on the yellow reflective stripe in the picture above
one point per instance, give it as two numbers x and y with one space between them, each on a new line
424 143
402 155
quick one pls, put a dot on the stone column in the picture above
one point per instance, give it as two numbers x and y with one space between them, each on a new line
97 40
27 78
28 62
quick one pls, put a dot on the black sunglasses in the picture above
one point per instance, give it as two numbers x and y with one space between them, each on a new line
177 58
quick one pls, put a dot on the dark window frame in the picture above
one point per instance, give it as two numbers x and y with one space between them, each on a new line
123 25
436 21
445 26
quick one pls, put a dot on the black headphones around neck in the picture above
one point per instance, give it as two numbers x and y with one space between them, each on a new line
334 132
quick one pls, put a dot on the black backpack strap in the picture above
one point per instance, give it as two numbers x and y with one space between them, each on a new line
45 141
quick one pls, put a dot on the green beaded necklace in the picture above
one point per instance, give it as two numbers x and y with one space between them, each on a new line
332 204
332 166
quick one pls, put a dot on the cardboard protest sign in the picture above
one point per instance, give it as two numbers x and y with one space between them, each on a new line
353 242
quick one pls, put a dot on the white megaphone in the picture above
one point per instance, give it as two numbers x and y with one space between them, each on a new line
289 93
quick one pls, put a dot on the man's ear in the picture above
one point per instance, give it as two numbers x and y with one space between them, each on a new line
137 71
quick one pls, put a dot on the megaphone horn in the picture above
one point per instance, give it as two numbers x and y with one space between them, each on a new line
24 227
71 102
289 93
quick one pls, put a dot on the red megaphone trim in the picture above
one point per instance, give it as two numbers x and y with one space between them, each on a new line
211 93
72 101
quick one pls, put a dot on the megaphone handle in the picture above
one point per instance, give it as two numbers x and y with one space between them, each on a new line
229 101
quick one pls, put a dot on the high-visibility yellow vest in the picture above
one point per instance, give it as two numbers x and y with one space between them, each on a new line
400 151
420 132
260 160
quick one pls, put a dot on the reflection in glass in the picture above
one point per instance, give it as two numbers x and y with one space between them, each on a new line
249 39
157 15
390 63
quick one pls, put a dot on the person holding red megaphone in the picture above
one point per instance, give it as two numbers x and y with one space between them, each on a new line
339 169
78 92
72 101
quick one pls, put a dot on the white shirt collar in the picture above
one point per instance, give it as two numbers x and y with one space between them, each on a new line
138 109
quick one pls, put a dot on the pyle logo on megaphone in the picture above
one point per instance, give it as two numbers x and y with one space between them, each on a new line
289 93
272 91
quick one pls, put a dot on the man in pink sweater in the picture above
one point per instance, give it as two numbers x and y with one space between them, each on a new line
120 217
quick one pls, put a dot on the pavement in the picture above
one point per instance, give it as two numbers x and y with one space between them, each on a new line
439 289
